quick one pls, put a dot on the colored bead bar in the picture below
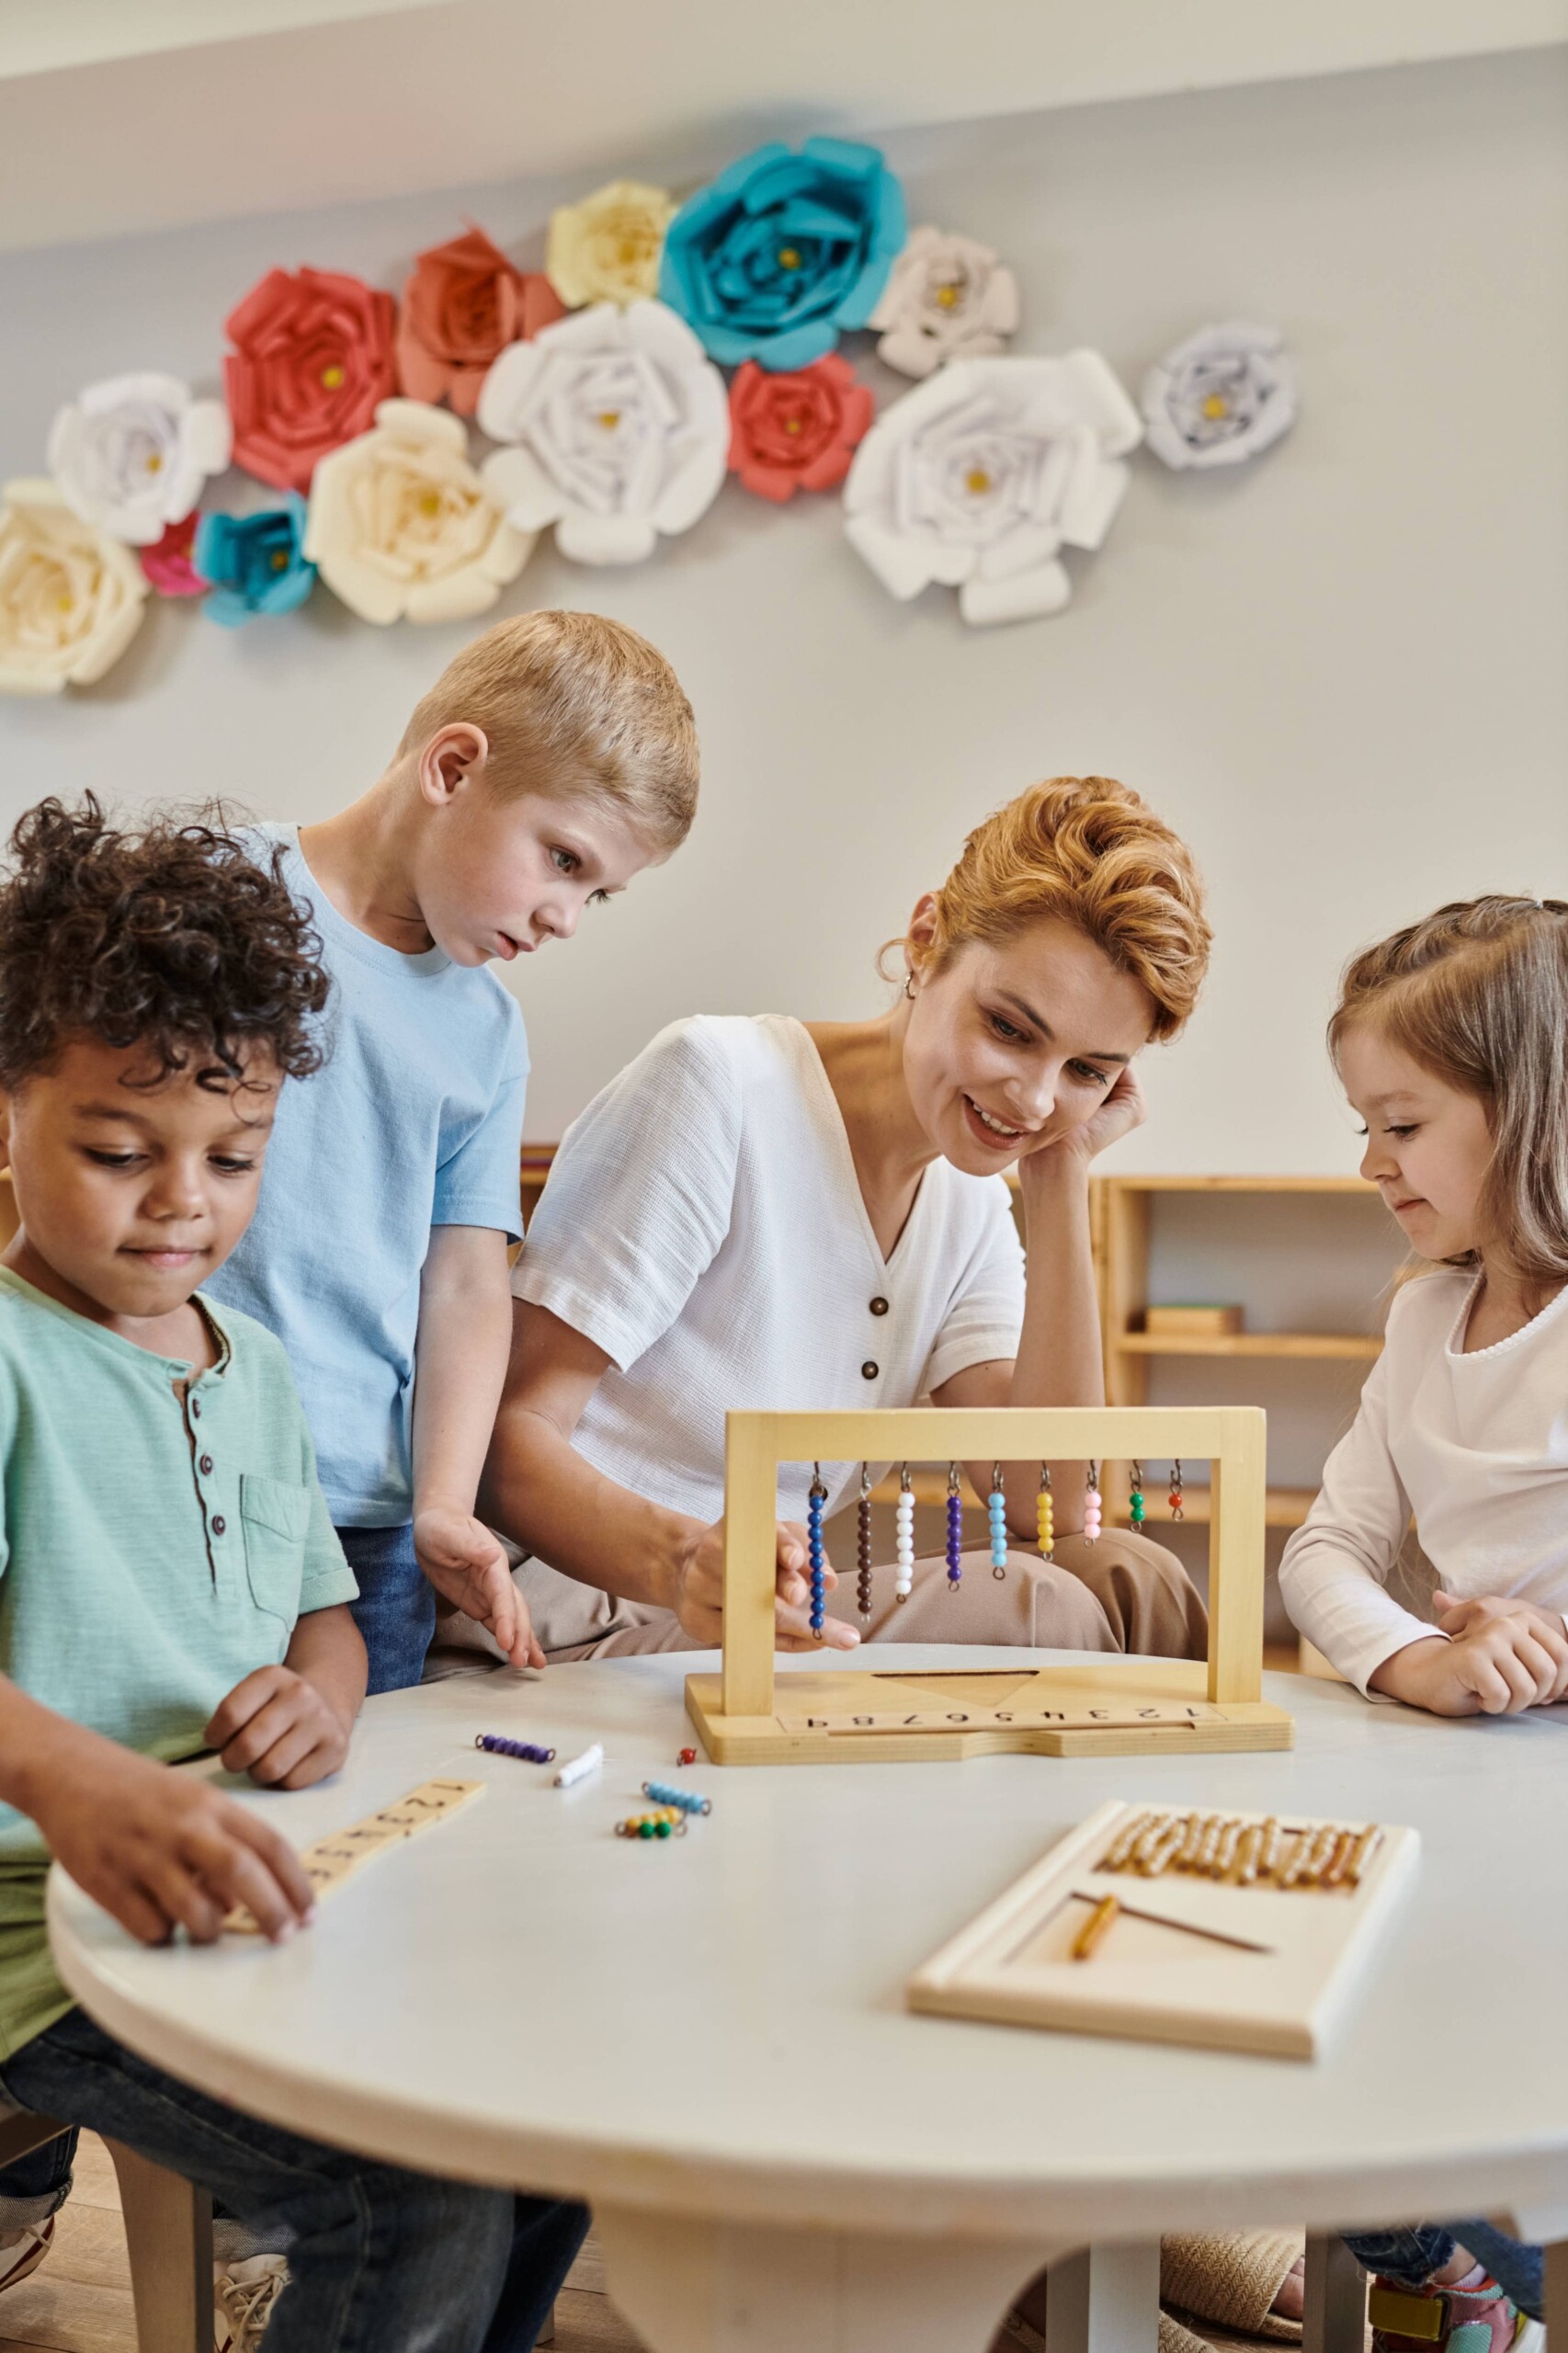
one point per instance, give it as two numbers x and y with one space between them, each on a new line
1045 1510
1094 1505
1136 1507
666 1823
863 1542
904 1544
687 1757
526 1749
996 1509
955 1530
685 1800
1175 1497
815 1503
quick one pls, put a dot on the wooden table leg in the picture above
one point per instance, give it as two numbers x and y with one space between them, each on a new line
1335 2320
1104 2300
168 2236
702 2287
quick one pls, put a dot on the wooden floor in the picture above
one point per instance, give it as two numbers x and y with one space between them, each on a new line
78 2300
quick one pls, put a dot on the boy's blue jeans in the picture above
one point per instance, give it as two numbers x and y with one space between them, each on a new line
379 2261
396 1609
1411 2256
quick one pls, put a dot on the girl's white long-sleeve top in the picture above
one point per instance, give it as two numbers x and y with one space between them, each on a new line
1474 1445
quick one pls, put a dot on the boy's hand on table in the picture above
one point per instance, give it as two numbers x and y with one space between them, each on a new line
697 1592
280 1728
161 1849
1501 1657
465 1562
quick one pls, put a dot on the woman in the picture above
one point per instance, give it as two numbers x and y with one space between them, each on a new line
772 1214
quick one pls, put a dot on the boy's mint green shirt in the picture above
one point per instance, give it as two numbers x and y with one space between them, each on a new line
158 1542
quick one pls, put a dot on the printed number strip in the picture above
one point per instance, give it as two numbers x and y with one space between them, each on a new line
329 1861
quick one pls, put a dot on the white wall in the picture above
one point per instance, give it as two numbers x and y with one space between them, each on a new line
1339 673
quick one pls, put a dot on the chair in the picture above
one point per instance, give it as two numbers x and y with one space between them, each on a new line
168 2234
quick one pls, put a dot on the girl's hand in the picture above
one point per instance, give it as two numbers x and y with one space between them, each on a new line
696 1595
1500 1657
1123 1108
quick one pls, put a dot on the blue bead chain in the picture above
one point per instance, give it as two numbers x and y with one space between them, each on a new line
955 1530
815 1503
997 1506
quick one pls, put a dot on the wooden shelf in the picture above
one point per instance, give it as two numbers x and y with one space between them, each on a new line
1356 1187
1360 1346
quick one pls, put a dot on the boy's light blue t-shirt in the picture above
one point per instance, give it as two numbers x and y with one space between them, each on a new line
414 1121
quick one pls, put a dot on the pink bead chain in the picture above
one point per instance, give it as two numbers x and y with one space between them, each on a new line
1094 1505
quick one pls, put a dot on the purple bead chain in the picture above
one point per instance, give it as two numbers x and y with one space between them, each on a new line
955 1532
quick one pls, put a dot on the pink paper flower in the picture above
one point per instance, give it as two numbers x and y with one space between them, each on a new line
796 431
464 303
168 564
313 359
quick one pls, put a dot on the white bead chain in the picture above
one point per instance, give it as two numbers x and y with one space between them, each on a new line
904 1584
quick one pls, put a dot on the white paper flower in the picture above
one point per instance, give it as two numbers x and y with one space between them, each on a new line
620 428
70 597
132 455
403 529
1223 396
982 474
948 298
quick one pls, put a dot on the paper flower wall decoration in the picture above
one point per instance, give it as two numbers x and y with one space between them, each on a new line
1222 397
403 529
256 562
796 431
312 358
464 303
619 430
168 563
979 477
606 249
70 597
948 298
131 455
783 250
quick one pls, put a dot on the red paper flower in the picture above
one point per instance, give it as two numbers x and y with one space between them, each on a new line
168 563
463 306
313 357
798 430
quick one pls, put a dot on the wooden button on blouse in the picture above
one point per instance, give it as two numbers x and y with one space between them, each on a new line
879 1307
869 1370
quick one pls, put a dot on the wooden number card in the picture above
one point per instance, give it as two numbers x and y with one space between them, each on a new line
1245 1932
329 1861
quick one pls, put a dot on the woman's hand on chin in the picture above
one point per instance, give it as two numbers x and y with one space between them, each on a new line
697 1592
1120 1111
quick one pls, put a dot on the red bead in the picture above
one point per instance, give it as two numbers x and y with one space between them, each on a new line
689 1757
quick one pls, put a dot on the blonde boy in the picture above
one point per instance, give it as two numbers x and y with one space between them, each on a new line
552 759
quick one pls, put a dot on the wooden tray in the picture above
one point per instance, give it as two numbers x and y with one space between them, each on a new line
1231 1968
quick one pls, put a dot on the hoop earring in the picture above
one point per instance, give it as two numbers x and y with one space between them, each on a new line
909 985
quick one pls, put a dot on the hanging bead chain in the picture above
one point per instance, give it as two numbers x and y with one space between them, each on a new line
955 1530
1175 1498
1045 1512
904 1547
1136 1507
814 1502
1094 1505
863 1541
997 1506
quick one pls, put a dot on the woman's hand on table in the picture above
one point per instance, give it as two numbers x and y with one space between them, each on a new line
696 1592
160 1850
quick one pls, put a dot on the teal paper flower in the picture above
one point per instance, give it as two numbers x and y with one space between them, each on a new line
783 250
256 562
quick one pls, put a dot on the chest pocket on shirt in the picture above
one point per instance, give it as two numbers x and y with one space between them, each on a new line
277 1515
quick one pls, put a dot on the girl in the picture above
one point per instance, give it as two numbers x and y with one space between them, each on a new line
767 1213
1450 1040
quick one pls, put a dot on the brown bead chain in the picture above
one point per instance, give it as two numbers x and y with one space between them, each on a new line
863 1536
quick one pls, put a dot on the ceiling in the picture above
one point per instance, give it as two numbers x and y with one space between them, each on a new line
122 115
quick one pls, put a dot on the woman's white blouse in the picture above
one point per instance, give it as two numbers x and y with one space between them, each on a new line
704 1226
1475 1446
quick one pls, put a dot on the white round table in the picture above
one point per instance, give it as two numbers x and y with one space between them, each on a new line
706 2039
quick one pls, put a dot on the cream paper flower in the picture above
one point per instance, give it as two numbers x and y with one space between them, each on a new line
70 597
982 474
606 249
1222 397
403 529
131 456
948 298
622 430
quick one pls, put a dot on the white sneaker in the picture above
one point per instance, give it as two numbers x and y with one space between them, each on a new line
22 2251
242 2298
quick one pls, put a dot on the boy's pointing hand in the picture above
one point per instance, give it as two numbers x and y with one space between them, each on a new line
465 1562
